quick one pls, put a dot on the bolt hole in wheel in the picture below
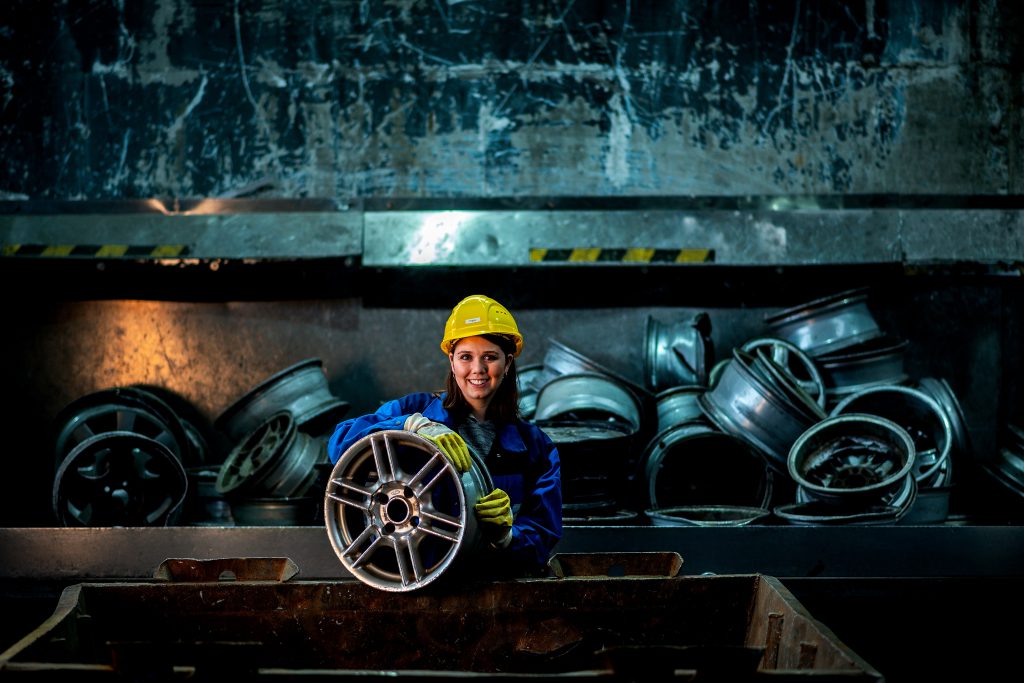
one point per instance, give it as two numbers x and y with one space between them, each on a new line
398 514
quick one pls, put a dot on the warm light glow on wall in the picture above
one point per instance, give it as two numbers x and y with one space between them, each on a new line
143 343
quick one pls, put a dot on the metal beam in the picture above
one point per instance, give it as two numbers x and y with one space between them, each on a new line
72 554
646 234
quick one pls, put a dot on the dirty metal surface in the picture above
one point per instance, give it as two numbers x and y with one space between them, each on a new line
616 564
538 626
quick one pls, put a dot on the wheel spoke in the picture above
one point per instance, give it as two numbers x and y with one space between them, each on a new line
384 459
142 464
96 470
440 519
82 432
410 566
167 439
435 461
85 487
159 512
415 560
780 354
82 514
364 494
353 547
126 421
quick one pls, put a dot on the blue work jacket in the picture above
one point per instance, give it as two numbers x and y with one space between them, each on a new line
524 463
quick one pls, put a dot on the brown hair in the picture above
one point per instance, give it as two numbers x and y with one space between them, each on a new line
504 407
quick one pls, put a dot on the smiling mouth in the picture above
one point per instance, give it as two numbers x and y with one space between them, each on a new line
477 382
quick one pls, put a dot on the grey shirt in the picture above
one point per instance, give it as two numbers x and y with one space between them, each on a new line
479 436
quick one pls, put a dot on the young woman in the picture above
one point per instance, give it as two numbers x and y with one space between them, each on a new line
479 410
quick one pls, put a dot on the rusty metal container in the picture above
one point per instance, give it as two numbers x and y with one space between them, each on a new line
592 620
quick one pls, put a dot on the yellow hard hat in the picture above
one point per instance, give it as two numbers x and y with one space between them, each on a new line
476 315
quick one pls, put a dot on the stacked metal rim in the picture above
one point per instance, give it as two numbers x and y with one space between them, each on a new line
592 418
931 428
1007 466
757 400
300 389
678 353
827 325
267 475
279 430
707 515
526 378
693 463
940 390
877 362
853 469
678 405
560 359
794 362
595 469
694 473
588 396
921 416
121 455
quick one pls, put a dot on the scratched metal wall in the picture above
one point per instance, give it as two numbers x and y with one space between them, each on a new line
347 98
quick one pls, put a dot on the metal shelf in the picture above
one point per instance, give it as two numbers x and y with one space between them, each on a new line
72 554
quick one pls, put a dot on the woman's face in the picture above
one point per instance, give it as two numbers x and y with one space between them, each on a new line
479 367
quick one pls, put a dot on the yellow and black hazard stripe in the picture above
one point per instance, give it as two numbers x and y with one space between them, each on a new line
633 255
97 250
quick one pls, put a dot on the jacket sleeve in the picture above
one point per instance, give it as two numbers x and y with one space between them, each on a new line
390 415
538 525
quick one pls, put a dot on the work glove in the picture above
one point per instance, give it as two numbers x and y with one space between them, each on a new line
495 511
448 442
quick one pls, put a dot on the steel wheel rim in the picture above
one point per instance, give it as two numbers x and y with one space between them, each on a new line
559 359
119 479
587 391
706 515
941 438
780 351
939 389
383 528
253 461
744 405
300 389
827 324
121 409
882 362
677 354
678 405
818 512
846 474
665 447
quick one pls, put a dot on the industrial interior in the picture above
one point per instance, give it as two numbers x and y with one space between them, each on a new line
764 260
